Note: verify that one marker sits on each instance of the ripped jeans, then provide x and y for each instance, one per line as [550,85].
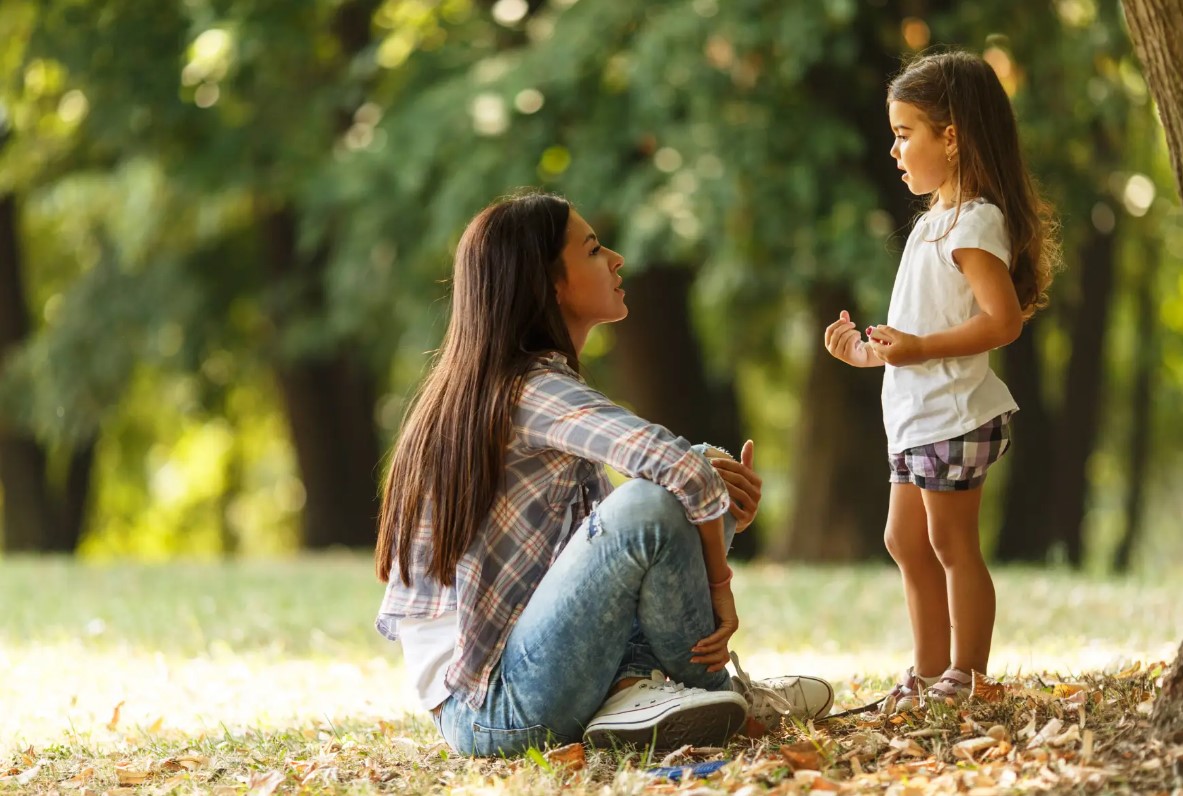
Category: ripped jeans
[628,594]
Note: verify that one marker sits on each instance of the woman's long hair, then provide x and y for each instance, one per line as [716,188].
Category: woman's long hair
[449,458]
[961,89]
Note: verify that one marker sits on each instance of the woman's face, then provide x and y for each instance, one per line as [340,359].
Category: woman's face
[589,291]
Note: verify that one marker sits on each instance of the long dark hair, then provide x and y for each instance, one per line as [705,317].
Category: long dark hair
[450,452]
[960,89]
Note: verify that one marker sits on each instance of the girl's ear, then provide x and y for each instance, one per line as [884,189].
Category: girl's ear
[950,137]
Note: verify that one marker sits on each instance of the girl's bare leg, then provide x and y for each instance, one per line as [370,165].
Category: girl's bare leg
[953,531]
[907,539]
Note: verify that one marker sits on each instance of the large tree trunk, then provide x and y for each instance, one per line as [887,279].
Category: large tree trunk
[28,510]
[840,486]
[659,370]
[1025,534]
[1156,27]
[1079,417]
[329,401]
[1145,357]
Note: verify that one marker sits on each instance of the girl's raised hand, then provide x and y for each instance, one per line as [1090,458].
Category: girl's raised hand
[895,347]
[844,342]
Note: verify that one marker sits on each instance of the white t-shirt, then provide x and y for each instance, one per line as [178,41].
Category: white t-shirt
[942,398]
[428,645]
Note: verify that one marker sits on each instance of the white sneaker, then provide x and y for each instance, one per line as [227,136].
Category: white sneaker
[666,715]
[769,701]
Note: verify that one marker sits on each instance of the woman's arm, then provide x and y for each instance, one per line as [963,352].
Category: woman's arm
[559,412]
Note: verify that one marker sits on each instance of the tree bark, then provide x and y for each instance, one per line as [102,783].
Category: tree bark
[329,401]
[28,511]
[1156,28]
[1079,417]
[659,370]
[1024,535]
[1145,357]
[840,487]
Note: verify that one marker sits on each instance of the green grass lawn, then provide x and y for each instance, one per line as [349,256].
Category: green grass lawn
[269,666]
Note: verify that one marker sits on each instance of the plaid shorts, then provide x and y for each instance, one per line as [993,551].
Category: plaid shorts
[953,465]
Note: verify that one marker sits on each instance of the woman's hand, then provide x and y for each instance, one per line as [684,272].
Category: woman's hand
[743,485]
[712,650]
[895,347]
[844,342]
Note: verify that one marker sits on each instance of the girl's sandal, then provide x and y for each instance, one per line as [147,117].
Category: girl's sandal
[908,693]
[954,686]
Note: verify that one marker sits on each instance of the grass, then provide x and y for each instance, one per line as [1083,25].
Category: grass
[261,675]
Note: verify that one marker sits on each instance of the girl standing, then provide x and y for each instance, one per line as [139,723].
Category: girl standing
[976,265]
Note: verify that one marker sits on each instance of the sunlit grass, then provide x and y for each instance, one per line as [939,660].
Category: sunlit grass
[255,663]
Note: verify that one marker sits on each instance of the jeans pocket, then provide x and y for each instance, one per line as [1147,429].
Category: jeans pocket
[492,742]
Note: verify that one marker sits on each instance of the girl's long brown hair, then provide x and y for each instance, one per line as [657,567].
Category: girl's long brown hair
[961,89]
[449,458]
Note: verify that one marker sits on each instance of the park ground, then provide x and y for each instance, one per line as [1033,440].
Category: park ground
[267,677]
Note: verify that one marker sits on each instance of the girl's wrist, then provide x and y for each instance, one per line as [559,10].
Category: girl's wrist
[725,581]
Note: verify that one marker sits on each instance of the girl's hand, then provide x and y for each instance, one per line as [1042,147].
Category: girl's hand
[743,485]
[844,342]
[712,650]
[895,347]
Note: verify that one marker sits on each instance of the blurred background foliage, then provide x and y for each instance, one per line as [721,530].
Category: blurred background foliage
[225,229]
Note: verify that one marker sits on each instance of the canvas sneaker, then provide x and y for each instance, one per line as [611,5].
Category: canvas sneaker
[666,715]
[770,701]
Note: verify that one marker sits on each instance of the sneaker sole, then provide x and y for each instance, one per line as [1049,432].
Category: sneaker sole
[706,725]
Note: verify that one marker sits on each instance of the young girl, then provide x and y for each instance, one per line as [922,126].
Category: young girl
[534,603]
[976,265]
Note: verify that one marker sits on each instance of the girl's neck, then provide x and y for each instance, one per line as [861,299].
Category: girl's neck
[949,196]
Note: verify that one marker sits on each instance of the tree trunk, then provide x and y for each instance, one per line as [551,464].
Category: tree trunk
[840,486]
[1146,357]
[329,401]
[75,501]
[1024,535]
[660,372]
[1156,27]
[1079,417]
[28,510]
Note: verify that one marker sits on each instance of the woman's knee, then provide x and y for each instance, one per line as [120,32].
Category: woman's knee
[643,508]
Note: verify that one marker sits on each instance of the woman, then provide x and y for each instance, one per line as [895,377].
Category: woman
[536,604]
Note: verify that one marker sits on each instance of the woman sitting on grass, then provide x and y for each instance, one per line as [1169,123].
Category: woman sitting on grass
[534,603]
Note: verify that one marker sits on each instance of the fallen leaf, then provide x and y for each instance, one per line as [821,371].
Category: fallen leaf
[1132,671]
[156,726]
[802,756]
[29,774]
[1029,729]
[998,733]
[1064,690]
[115,716]
[264,783]
[1049,731]
[1069,736]
[81,778]
[908,747]
[130,776]
[1086,746]
[571,756]
[987,689]
[968,748]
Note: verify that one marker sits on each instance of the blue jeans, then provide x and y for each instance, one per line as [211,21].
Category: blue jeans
[628,594]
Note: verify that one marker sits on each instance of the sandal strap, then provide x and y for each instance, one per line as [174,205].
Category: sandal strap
[952,682]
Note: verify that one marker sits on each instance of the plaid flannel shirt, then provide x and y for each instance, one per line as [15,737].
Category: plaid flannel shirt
[563,434]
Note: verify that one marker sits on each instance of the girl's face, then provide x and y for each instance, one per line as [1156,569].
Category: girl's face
[589,291]
[927,158]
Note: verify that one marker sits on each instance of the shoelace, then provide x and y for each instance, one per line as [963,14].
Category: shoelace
[757,690]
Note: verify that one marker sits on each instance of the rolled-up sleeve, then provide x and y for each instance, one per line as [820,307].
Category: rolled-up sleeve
[560,412]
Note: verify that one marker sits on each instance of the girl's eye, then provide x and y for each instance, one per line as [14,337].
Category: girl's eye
[596,250]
